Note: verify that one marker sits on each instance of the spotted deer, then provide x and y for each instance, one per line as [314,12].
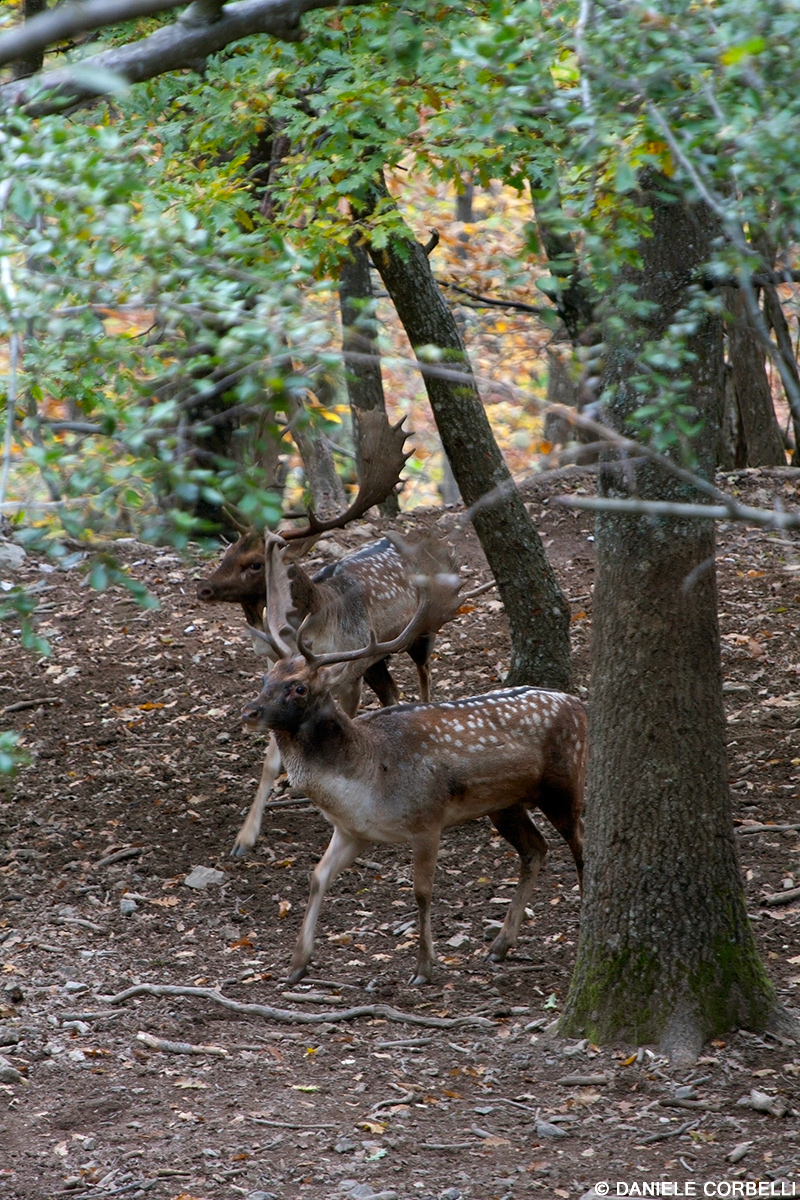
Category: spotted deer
[402,775]
[371,589]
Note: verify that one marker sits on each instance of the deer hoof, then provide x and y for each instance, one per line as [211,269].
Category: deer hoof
[239,851]
[419,979]
[497,954]
[296,975]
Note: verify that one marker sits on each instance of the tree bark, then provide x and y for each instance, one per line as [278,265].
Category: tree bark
[31,62]
[773,311]
[360,351]
[537,612]
[666,952]
[760,429]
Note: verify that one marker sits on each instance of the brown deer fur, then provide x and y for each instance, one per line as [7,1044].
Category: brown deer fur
[402,775]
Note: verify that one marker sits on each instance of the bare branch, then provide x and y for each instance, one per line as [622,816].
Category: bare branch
[731,511]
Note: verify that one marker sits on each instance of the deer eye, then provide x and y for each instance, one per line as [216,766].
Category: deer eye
[257,565]
[300,689]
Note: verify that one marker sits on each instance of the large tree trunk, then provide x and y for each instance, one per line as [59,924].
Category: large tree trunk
[360,350]
[537,612]
[666,953]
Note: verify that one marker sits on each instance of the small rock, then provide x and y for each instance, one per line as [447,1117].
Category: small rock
[12,556]
[202,877]
[545,1129]
[687,1092]
[738,1152]
[127,907]
[345,1146]
[9,1074]
[261,1196]
[8,1037]
[74,988]
[774,1106]
[459,939]
[450,1194]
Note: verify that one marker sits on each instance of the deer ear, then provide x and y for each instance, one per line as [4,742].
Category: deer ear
[304,593]
[333,675]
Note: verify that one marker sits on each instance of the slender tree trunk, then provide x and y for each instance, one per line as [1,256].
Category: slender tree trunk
[666,952]
[773,311]
[360,351]
[33,62]
[762,435]
[537,612]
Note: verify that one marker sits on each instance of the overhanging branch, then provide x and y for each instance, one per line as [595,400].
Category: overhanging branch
[183,44]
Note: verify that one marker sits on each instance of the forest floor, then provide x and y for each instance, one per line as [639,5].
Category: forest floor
[140,772]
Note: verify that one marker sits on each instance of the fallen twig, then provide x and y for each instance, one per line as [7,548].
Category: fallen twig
[447,1145]
[584,1080]
[667,1133]
[766,828]
[119,856]
[405,1043]
[21,705]
[103,1015]
[166,1047]
[391,1101]
[704,1105]
[82,923]
[787,897]
[312,998]
[289,1017]
[289,1124]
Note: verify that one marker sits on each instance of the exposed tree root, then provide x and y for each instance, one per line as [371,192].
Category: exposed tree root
[288,1016]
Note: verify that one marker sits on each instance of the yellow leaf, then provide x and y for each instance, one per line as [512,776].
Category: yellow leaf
[371,1126]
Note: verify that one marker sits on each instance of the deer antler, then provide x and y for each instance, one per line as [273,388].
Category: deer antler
[279,596]
[382,460]
[444,585]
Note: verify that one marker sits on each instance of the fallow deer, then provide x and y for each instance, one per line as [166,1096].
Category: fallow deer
[402,775]
[371,589]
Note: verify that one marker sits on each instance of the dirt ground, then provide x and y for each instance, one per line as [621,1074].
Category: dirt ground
[351,1085]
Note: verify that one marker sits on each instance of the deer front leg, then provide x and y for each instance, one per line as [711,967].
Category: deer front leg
[516,827]
[425,851]
[420,652]
[343,849]
[247,836]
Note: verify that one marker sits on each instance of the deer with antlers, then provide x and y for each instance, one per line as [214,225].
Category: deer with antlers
[402,775]
[371,589]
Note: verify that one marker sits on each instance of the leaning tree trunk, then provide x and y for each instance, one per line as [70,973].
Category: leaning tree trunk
[666,953]
[537,612]
[761,433]
[360,350]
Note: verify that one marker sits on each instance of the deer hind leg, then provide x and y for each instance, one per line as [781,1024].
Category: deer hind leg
[425,850]
[378,678]
[563,807]
[247,836]
[516,827]
[348,696]
[343,849]
[420,652]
